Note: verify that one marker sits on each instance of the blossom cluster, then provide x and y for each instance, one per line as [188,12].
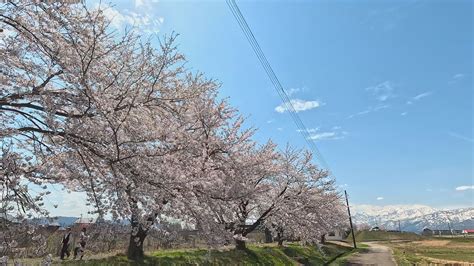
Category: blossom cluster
[145,138]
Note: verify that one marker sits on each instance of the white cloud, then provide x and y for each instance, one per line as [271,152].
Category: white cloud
[309,130]
[139,3]
[292,91]
[323,135]
[140,19]
[69,203]
[330,135]
[404,113]
[270,121]
[457,78]
[422,95]
[280,129]
[462,188]
[317,134]
[419,97]
[299,105]
[382,91]
[379,198]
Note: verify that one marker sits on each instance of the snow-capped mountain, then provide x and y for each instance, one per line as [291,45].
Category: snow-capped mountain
[413,217]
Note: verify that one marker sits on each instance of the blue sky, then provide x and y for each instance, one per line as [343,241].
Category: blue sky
[385,87]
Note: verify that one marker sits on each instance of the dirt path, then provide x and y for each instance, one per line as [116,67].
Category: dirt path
[375,255]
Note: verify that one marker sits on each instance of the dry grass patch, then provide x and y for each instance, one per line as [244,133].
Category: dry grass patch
[460,250]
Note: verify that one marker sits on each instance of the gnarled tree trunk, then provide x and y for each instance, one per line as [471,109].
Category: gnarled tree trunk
[135,246]
[240,244]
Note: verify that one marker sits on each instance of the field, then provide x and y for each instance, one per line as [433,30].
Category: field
[411,249]
[384,236]
[437,250]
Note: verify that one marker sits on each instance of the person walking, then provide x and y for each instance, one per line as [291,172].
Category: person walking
[65,243]
[79,251]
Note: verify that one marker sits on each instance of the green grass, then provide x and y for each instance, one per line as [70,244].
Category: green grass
[407,258]
[292,254]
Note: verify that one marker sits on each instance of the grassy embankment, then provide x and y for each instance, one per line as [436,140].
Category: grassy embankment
[292,254]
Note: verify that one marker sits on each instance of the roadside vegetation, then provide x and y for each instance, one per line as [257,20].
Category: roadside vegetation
[291,254]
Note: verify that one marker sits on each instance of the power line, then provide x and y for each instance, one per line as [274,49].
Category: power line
[276,83]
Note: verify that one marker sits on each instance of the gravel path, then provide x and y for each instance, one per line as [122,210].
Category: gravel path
[375,255]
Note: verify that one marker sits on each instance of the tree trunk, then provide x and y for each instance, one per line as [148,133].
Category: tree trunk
[323,239]
[240,244]
[135,246]
[280,242]
[280,236]
[268,236]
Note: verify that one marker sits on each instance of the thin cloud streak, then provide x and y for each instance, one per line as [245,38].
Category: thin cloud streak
[369,110]
[458,136]
[330,135]
[309,130]
[299,105]
[419,97]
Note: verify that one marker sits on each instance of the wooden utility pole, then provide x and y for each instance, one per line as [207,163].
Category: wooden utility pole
[350,220]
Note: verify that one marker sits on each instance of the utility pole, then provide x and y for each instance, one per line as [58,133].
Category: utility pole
[399,227]
[350,220]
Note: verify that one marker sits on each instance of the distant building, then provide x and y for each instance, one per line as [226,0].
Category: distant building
[336,235]
[440,232]
[427,232]
[84,222]
[52,227]
[468,232]
[375,228]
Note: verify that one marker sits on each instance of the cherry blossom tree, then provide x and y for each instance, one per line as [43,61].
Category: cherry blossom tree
[110,115]
[312,205]
[103,113]
[17,204]
[282,191]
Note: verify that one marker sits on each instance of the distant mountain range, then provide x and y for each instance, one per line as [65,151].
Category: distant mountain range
[61,220]
[413,218]
[65,221]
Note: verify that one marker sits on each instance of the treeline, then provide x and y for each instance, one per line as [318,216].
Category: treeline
[111,115]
